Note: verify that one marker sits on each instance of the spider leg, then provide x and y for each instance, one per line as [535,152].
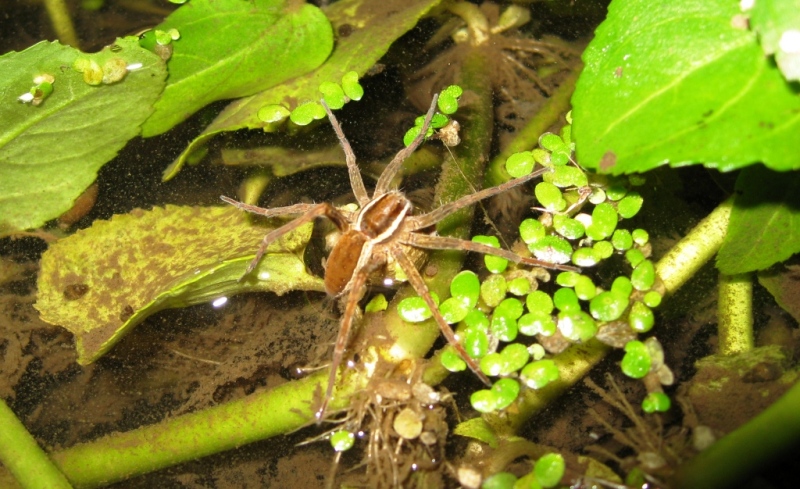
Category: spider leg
[447,243]
[416,281]
[314,211]
[275,211]
[436,215]
[391,169]
[352,169]
[357,288]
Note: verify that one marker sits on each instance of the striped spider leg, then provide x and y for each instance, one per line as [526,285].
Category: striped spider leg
[378,233]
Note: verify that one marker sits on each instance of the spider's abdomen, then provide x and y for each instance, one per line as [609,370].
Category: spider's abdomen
[343,260]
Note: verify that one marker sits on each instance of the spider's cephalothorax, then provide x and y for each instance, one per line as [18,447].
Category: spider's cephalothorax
[381,231]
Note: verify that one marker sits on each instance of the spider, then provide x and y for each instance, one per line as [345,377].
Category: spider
[378,233]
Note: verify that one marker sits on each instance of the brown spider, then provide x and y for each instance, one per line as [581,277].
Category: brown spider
[377,233]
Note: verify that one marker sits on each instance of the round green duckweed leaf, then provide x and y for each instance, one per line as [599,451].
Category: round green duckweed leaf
[476,319]
[536,323]
[454,91]
[656,402]
[630,204]
[351,87]
[531,230]
[641,318]
[333,95]
[447,103]
[519,286]
[622,239]
[585,257]
[537,351]
[539,373]
[504,319]
[273,113]
[643,276]
[576,325]
[636,362]
[566,176]
[500,480]
[514,357]
[493,290]
[466,285]
[549,469]
[452,361]
[550,141]
[539,302]
[585,288]
[455,309]
[604,249]
[568,227]
[492,364]
[550,197]
[566,300]
[652,299]
[520,164]
[634,256]
[413,310]
[411,134]
[304,114]
[494,264]
[484,400]
[640,237]
[597,196]
[342,440]
[507,391]
[622,286]
[604,221]
[608,306]
[567,279]
[438,121]
[476,342]
[552,249]
[616,191]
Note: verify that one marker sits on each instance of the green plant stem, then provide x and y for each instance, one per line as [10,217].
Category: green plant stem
[23,457]
[735,314]
[739,454]
[695,249]
[257,417]
[62,22]
[528,137]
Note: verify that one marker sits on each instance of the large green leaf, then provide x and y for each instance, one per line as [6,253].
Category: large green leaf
[765,221]
[677,83]
[367,28]
[234,48]
[102,281]
[50,153]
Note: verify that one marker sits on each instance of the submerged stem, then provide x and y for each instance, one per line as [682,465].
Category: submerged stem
[735,314]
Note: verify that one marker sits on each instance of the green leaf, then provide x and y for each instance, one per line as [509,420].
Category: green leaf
[679,84]
[159,259]
[777,23]
[232,48]
[478,429]
[372,27]
[765,221]
[50,153]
